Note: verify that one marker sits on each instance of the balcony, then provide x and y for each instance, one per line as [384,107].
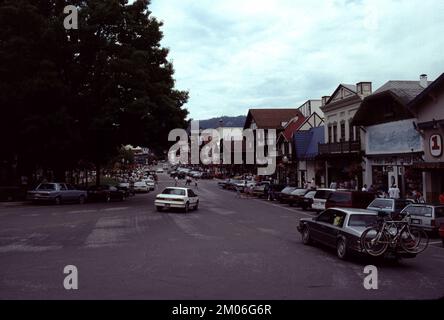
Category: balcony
[340,147]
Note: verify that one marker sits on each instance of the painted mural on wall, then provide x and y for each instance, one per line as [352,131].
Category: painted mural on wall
[393,137]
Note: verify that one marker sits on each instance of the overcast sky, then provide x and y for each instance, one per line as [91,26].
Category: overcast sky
[233,55]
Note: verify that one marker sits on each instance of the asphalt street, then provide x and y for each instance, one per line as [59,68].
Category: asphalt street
[231,248]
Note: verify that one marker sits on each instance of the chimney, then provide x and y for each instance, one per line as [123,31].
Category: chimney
[423,80]
[364,89]
[324,100]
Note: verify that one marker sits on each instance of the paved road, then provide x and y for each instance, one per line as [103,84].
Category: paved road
[230,248]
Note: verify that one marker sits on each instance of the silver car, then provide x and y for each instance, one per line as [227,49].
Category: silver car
[57,193]
[426,216]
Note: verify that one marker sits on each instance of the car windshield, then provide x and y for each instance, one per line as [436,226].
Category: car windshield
[362,220]
[299,192]
[177,192]
[47,186]
[381,204]
[288,190]
[310,194]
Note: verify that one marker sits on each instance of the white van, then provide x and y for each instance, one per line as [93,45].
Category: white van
[320,198]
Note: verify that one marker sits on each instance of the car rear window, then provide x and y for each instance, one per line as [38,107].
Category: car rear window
[381,204]
[177,192]
[362,220]
[439,212]
[47,186]
[401,204]
[310,194]
[340,197]
[322,194]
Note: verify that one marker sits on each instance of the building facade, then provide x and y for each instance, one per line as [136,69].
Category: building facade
[392,143]
[428,107]
[342,150]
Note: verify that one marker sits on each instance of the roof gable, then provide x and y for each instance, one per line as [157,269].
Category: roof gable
[342,91]
[271,118]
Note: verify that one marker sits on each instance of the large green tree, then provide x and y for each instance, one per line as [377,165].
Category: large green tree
[79,94]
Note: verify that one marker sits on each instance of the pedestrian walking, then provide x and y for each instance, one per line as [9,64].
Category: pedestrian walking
[195,183]
[364,188]
[394,192]
[176,181]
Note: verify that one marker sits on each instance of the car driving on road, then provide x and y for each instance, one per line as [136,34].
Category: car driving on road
[57,193]
[183,198]
[105,193]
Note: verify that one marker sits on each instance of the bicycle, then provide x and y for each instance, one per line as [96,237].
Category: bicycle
[375,240]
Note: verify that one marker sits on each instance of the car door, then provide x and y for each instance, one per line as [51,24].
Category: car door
[333,229]
[319,228]
[72,192]
[192,197]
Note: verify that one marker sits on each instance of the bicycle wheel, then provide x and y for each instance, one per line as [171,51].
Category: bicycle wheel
[374,241]
[414,240]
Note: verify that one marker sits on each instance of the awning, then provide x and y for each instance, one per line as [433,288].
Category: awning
[428,165]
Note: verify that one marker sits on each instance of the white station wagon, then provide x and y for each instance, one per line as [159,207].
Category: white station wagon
[183,198]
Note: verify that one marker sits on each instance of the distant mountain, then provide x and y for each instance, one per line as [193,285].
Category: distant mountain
[214,123]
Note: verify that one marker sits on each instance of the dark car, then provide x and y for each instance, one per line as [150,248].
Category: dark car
[285,194]
[295,198]
[274,191]
[105,193]
[349,199]
[57,193]
[341,228]
[261,189]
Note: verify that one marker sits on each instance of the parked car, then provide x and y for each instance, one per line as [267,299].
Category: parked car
[285,194]
[261,189]
[141,186]
[307,200]
[341,228]
[127,187]
[207,175]
[349,199]
[223,183]
[426,216]
[150,183]
[296,196]
[160,170]
[105,193]
[392,207]
[57,193]
[320,198]
[183,198]
[275,191]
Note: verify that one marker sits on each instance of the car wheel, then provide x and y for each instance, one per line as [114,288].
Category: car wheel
[108,198]
[57,200]
[197,206]
[341,249]
[290,204]
[82,199]
[306,238]
[122,198]
[187,207]
[304,207]
[159,208]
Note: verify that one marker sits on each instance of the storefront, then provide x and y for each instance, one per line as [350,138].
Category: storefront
[395,169]
[429,110]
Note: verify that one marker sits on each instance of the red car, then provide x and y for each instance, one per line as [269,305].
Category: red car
[441,233]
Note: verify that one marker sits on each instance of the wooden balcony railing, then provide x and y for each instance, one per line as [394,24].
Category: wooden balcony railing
[340,147]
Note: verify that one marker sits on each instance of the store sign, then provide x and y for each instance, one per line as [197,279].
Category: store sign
[435,144]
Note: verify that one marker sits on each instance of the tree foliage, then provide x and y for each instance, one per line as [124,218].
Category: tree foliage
[78,95]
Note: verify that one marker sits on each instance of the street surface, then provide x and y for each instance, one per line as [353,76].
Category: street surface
[230,248]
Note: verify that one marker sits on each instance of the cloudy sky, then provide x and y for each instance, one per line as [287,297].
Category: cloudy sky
[233,55]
